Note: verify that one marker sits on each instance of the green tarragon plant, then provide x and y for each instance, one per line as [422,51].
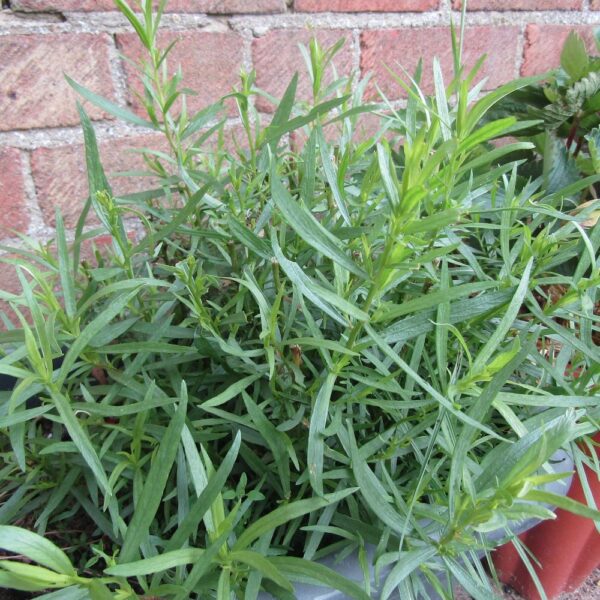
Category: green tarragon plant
[339,345]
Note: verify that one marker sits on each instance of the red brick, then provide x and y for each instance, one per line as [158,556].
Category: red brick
[33,90]
[211,64]
[60,176]
[277,57]
[8,277]
[8,283]
[543,45]
[365,5]
[189,6]
[405,47]
[521,4]
[12,193]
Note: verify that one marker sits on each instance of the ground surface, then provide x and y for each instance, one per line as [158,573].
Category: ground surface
[590,590]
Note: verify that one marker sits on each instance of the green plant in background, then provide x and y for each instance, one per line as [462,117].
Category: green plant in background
[345,344]
[566,106]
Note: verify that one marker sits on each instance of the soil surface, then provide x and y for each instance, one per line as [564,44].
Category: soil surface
[590,590]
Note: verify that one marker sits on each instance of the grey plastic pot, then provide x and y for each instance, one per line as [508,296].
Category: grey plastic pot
[561,462]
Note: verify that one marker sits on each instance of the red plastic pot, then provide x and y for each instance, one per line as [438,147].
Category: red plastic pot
[567,549]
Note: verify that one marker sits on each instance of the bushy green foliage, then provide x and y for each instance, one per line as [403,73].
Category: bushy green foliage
[343,343]
[563,109]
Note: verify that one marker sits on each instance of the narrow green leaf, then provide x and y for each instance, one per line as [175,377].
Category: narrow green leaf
[141,346]
[563,333]
[80,438]
[35,574]
[441,330]
[97,181]
[154,486]
[274,131]
[506,323]
[309,165]
[66,278]
[308,228]
[373,491]
[316,440]
[330,175]
[35,547]
[478,411]
[487,132]
[99,591]
[425,385]
[321,343]
[407,562]
[482,106]
[11,581]
[286,513]
[466,310]
[302,120]
[224,585]
[180,217]
[231,392]
[108,106]
[249,238]
[492,157]
[214,486]
[15,372]
[90,331]
[471,585]
[298,569]
[441,101]
[386,165]
[508,463]
[274,438]
[201,119]
[263,565]
[74,592]
[564,502]
[204,564]
[303,284]
[155,564]
[23,416]
[135,23]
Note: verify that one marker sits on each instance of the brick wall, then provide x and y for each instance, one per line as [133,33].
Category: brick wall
[41,159]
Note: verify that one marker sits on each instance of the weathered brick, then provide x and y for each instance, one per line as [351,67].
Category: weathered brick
[13,207]
[543,45]
[189,6]
[277,57]
[211,63]
[520,4]
[60,176]
[365,5]
[404,47]
[33,90]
